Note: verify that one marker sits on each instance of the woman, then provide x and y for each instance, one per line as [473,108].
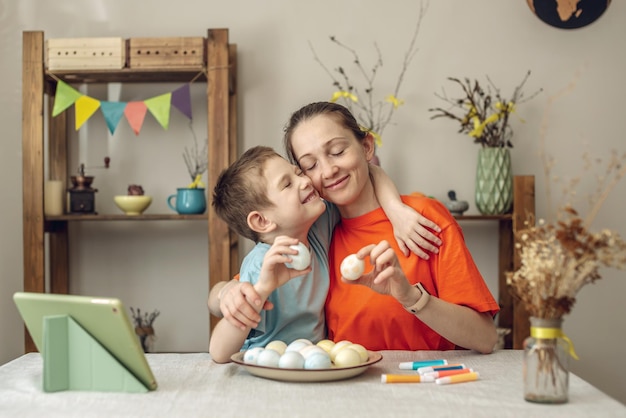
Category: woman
[435,304]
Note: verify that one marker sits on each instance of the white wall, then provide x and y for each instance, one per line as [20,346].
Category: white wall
[163,265]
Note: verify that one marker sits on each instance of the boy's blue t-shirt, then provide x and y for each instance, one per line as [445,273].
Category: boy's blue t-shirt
[298,304]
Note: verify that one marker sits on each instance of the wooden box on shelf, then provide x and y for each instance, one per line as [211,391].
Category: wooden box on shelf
[85,53]
[166,52]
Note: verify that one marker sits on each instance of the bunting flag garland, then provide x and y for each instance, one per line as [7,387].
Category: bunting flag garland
[85,107]
[181,100]
[135,112]
[112,112]
[65,97]
[159,106]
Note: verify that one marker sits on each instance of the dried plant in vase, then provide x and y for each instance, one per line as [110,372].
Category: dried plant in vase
[356,89]
[197,161]
[558,258]
[483,112]
[144,328]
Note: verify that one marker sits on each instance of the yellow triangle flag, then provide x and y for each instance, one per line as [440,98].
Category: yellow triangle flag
[85,106]
[160,106]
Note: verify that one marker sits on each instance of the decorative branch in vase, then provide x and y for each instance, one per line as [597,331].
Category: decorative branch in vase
[356,87]
[197,161]
[484,115]
[559,257]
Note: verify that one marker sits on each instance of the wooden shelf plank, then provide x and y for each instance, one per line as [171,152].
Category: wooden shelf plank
[106,217]
[128,75]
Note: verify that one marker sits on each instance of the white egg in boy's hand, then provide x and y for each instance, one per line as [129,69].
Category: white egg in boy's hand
[301,260]
[352,267]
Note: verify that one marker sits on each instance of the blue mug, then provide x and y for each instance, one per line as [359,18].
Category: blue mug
[188,201]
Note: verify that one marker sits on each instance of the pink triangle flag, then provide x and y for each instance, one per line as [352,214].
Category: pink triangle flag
[181,100]
[135,113]
[160,107]
[64,97]
[85,106]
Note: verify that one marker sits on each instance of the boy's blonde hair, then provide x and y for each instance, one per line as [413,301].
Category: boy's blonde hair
[240,189]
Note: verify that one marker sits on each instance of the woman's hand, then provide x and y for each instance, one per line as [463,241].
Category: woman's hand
[387,277]
[412,233]
[239,303]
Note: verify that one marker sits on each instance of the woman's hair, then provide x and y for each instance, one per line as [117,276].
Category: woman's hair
[341,114]
[240,189]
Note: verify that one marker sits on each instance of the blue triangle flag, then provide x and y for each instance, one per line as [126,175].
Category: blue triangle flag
[112,112]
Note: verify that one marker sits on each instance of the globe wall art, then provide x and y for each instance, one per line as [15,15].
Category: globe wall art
[568,14]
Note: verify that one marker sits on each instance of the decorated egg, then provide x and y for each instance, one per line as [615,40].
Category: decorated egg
[347,357]
[310,350]
[291,360]
[268,358]
[318,361]
[338,347]
[278,346]
[327,345]
[298,345]
[361,350]
[251,355]
[301,260]
[352,267]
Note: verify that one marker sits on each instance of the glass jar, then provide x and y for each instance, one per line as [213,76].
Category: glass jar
[546,362]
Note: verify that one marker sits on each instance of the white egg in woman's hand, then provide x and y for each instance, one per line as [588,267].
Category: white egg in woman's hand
[352,267]
[301,260]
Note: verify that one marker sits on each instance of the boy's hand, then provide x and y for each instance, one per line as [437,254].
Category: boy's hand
[274,273]
[387,277]
[412,233]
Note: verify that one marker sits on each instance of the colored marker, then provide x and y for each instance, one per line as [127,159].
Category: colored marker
[414,365]
[422,370]
[405,378]
[445,373]
[465,377]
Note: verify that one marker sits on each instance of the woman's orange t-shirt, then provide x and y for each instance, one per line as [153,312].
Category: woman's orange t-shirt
[378,322]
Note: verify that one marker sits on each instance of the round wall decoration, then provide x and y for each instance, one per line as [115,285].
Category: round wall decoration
[568,14]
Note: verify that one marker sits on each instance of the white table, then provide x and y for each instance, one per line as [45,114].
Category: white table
[193,385]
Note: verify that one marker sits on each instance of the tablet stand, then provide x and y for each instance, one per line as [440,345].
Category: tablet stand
[74,360]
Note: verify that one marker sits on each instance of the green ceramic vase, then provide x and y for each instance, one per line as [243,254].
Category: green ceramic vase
[494,181]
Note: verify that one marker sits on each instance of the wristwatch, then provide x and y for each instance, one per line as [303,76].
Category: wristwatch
[421,302]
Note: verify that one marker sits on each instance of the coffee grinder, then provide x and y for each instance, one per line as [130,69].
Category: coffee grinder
[82,195]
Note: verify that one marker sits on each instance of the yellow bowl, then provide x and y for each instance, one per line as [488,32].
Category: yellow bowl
[132,205]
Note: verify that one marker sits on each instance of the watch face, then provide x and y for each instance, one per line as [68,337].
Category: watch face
[568,14]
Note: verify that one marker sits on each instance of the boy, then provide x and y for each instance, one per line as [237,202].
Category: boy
[268,200]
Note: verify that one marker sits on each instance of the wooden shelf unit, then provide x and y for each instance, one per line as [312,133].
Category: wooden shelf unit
[38,85]
[512,313]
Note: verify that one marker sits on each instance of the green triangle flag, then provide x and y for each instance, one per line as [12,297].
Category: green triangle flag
[64,97]
[160,106]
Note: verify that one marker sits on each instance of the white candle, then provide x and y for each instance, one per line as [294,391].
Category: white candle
[53,198]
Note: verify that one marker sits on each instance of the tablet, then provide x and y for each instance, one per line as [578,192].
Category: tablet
[104,318]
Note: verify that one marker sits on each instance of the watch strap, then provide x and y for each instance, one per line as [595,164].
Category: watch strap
[421,302]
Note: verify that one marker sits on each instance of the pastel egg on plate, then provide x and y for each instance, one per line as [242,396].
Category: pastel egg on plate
[317,361]
[268,358]
[347,357]
[251,355]
[291,360]
[310,350]
[298,345]
[278,346]
[352,267]
[327,345]
[338,347]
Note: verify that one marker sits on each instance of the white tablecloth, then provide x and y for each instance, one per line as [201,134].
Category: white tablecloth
[192,385]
